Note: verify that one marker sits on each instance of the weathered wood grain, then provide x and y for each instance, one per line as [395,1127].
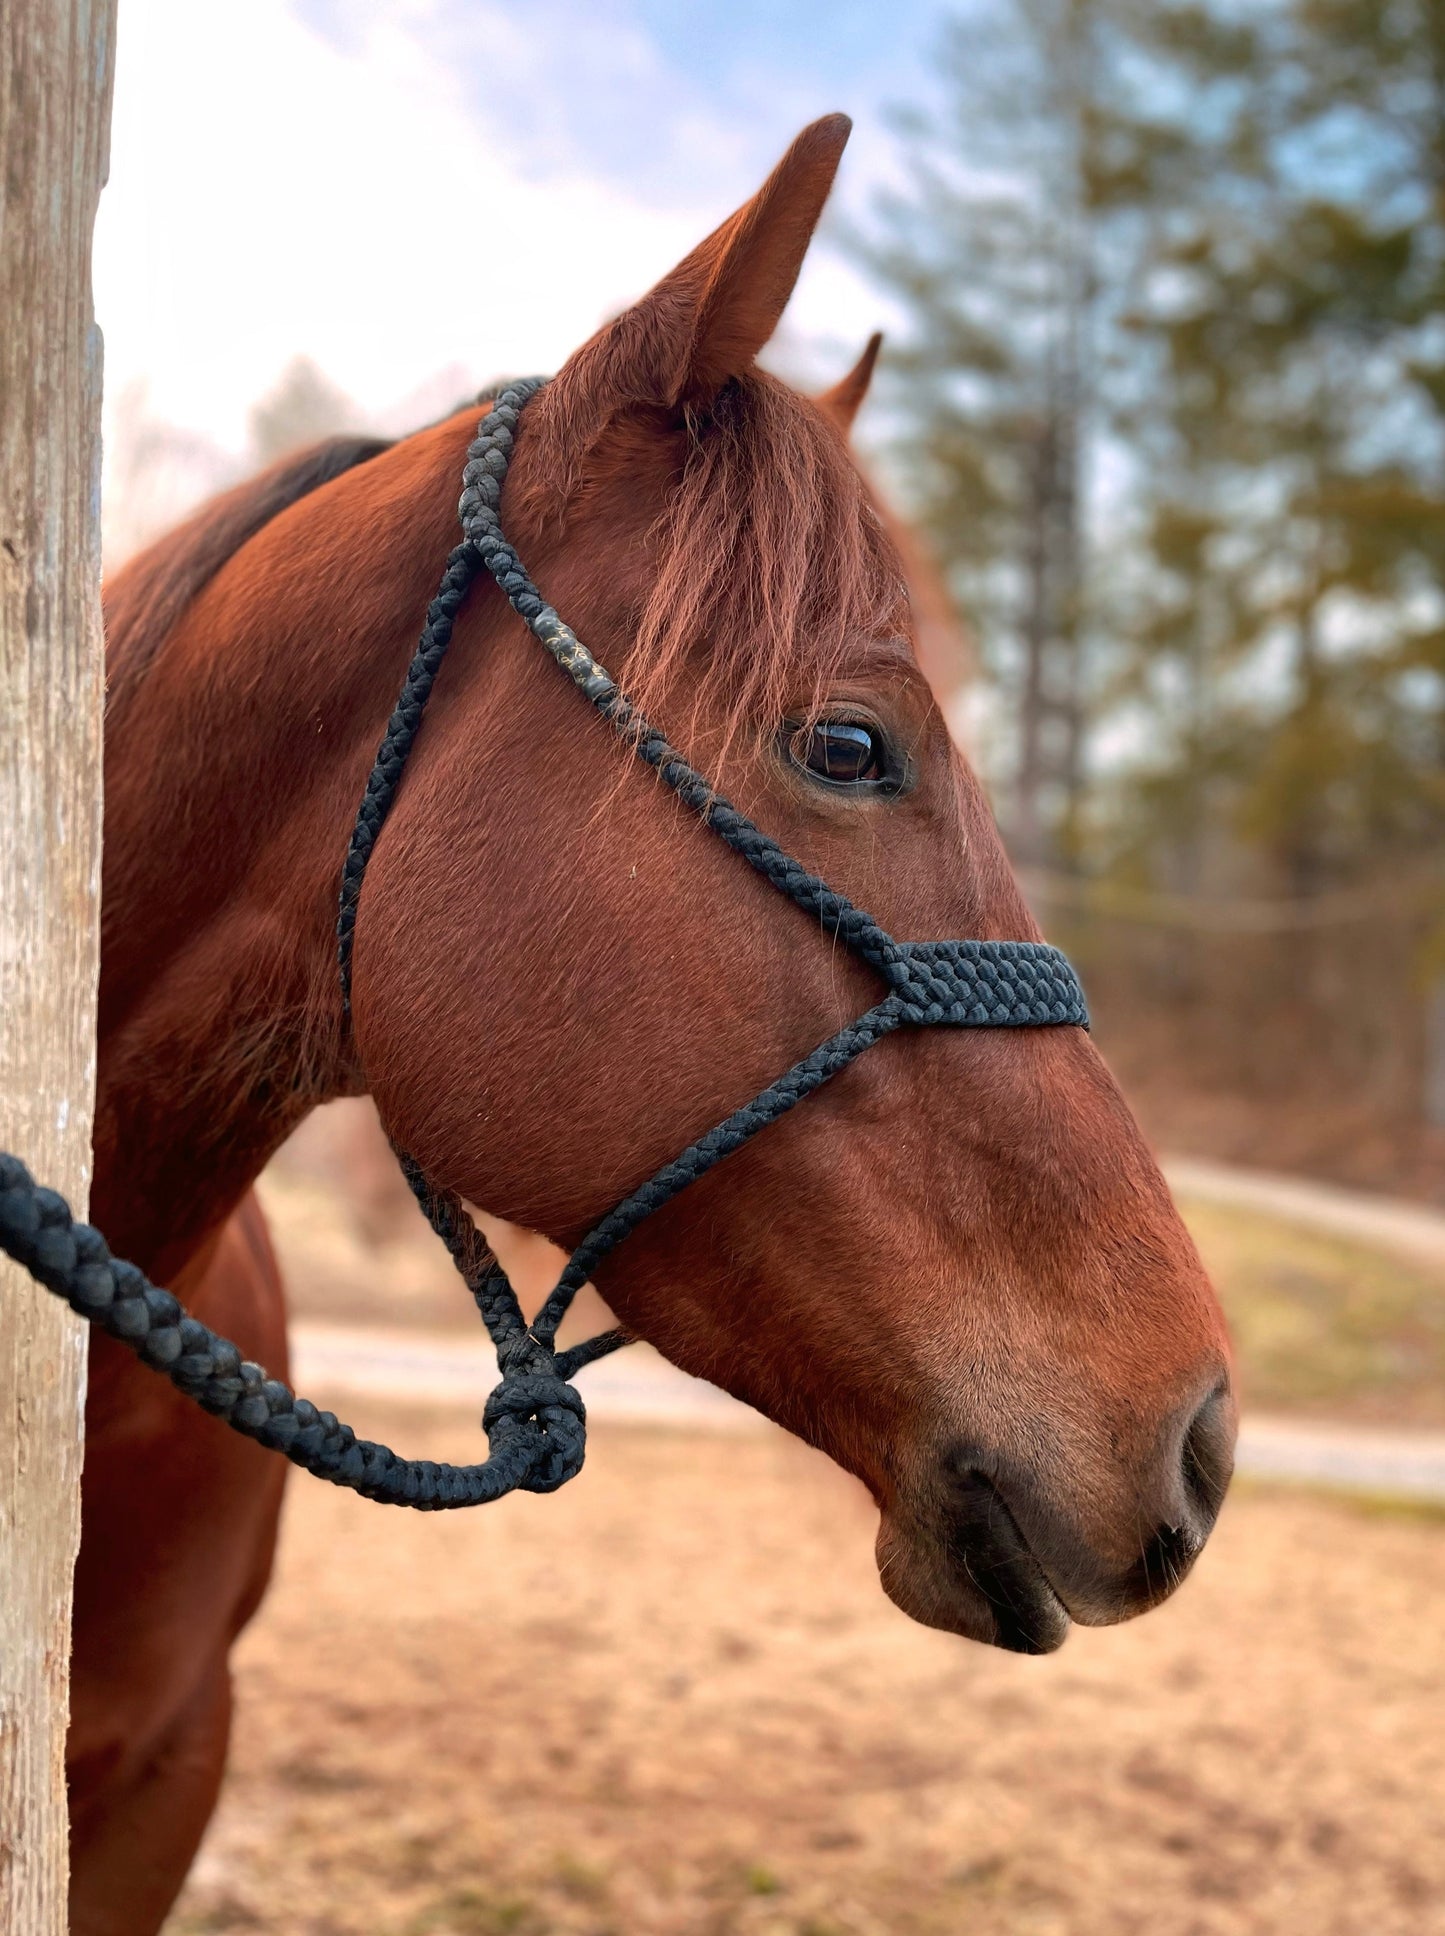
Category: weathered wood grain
[56,60]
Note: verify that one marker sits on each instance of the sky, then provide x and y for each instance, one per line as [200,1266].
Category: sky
[421,195]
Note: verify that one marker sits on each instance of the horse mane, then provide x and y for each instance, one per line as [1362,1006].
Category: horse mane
[771,556]
[147,598]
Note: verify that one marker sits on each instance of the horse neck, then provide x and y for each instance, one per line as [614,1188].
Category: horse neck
[234,763]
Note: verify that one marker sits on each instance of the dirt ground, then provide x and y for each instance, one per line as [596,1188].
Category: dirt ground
[673,1701]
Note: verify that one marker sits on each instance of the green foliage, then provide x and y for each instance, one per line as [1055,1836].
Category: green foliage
[995,249]
[1173,403]
[1296,311]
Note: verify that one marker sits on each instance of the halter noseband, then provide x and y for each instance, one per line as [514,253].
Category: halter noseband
[535,1419]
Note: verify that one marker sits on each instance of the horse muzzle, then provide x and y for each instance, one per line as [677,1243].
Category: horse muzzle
[1006,1552]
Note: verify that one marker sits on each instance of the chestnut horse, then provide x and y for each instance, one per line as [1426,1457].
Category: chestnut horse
[956,1269]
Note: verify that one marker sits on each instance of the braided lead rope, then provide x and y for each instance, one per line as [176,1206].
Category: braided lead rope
[535,1420]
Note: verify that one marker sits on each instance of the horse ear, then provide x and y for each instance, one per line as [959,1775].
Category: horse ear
[843,402]
[707,319]
[737,283]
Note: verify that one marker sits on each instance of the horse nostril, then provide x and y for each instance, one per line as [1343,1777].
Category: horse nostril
[1206,1460]
[1207,1457]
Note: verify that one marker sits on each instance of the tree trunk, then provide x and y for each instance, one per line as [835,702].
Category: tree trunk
[56,60]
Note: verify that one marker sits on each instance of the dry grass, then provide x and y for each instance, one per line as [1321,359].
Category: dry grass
[672,1701]
[1324,1325]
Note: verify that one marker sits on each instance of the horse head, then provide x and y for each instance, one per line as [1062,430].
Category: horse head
[956,1268]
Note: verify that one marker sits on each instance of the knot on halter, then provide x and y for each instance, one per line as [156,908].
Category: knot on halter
[535,1411]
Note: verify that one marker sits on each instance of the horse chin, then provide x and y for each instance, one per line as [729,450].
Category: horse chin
[980,1581]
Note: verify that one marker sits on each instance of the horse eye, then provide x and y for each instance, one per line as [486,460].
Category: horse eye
[846,751]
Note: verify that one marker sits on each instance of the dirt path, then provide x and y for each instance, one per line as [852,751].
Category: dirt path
[672,1700]
[1411,1230]
[638,1386]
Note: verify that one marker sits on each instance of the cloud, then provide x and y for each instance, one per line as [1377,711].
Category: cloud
[394,192]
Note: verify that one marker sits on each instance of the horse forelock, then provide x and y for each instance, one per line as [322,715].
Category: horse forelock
[769,564]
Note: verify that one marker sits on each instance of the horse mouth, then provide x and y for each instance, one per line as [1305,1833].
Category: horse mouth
[972,1572]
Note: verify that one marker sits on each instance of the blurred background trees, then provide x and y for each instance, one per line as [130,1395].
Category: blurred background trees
[304,408]
[157,472]
[1171,403]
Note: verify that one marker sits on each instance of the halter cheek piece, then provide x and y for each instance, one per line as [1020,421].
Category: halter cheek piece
[535,1420]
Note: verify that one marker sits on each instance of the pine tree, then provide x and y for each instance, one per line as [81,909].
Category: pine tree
[1296,435]
[993,248]
[1173,401]
[1174,409]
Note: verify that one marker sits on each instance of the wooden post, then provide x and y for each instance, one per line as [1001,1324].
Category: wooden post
[56,62]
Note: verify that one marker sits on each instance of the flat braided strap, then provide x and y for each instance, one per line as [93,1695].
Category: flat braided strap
[535,1419]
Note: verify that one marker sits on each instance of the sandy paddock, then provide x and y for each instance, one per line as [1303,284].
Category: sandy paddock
[673,1699]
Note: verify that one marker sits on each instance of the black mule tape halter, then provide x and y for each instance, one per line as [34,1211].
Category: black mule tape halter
[535,1419]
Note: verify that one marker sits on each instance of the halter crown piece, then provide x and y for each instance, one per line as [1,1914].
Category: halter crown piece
[535,1420]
